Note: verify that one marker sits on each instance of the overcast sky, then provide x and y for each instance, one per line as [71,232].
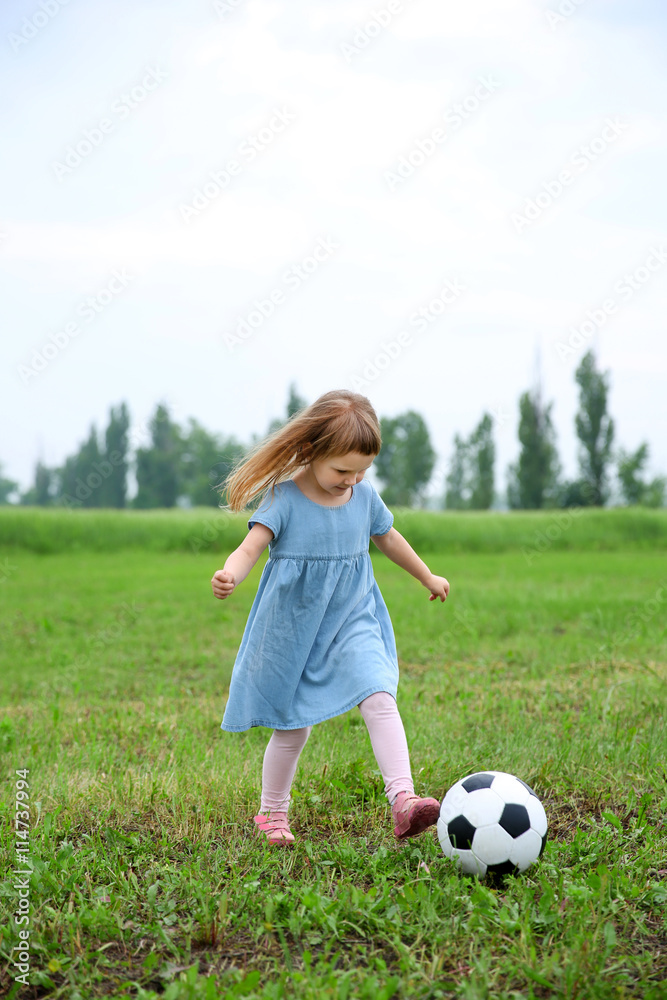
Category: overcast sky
[431,202]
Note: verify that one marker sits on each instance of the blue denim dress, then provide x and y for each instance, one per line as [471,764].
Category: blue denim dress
[318,638]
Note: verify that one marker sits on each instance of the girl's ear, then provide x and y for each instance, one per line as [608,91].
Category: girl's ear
[306,451]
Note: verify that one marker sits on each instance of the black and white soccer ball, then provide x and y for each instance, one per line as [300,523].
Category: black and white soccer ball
[492,823]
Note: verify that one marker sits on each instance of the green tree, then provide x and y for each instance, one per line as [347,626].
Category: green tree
[7,489]
[70,492]
[115,464]
[595,429]
[42,492]
[295,402]
[656,492]
[96,476]
[159,466]
[533,480]
[456,482]
[81,476]
[206,461]
[634,489]
[482,459]
[577,493]
[406,460]
[470,479]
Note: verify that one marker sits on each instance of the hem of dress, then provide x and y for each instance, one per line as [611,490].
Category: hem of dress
[315,722]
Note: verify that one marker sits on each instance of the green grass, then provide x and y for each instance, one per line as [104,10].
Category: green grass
[147,880]
[209,529]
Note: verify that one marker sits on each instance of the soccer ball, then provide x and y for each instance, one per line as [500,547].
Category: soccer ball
[492,822]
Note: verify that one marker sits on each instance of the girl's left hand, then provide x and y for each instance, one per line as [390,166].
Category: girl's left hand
[438,586]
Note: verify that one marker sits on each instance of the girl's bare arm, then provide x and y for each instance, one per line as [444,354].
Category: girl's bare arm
[396,548]
[241,561]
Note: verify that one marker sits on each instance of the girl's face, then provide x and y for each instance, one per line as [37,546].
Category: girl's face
[336,474]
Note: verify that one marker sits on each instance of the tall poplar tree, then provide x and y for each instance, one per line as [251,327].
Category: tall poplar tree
[295,402]
[42,492]
[456,482]
[533,481]
[470,479]
[595,429]
[80,479]
[158,466]
[113,492]
[406,459]
[482,458]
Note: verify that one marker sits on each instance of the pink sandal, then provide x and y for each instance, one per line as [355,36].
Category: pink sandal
[413,815]
[275,827]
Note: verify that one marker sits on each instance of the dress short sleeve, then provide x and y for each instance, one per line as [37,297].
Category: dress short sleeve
[382,518]
[272,512]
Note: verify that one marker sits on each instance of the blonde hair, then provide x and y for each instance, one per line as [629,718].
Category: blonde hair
[335,424]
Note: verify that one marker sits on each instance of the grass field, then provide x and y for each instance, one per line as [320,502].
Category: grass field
[549,660]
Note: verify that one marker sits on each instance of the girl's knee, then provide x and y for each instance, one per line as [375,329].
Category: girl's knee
[292,739]
[377,703]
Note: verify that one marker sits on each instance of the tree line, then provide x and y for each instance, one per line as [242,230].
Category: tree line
[535,480]
[186,465]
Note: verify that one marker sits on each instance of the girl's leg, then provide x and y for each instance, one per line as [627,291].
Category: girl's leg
[385,727]
[280,760]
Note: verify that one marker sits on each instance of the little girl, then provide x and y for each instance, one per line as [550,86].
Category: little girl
[319,640]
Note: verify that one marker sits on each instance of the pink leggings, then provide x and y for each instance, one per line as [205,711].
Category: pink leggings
[380,713]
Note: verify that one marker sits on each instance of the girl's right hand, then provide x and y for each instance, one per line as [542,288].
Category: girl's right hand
[223,584]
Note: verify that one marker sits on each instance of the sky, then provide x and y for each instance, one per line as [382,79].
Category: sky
[439,205]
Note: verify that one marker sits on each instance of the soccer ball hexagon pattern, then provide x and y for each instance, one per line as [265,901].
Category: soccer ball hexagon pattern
[492,822]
